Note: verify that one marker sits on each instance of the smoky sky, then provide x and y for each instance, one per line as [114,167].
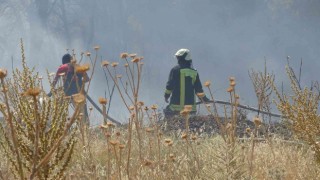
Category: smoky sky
[226,38]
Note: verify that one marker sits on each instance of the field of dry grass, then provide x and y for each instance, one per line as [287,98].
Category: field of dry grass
[49,140]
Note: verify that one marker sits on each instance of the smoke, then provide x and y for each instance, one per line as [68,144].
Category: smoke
[226,38]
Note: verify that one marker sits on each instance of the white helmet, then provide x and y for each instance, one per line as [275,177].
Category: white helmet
[184,52]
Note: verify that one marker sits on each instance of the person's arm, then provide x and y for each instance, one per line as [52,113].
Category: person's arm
[198,85]
[170,85]
[56,79]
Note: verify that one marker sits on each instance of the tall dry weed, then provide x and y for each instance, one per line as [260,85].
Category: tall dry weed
[301,112]
[36,134]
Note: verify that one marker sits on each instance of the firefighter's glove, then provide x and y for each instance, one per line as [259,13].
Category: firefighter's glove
[205,99]
[166,97]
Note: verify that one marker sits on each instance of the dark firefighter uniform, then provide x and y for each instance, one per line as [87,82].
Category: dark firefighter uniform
[183,83]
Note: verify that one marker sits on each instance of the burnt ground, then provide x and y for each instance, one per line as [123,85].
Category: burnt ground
[207,124]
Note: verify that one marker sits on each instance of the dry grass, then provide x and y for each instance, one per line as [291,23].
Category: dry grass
[140,149]
[289,162]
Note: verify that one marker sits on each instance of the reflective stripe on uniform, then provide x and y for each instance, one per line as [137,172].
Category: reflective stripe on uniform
[168,91]
[183,74]
[176,107]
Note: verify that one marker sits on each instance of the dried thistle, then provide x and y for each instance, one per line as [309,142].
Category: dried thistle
[207,83]
[132,55]
[135,60]
[96,48]
[103,101]
[32,92]
[201,95]
[231,79]
[114,64]
[248,130]
[105,63]
[257,121]
[82,68]
[184,136]
[184,113]
[3,73]
[188,108]
[103,126]
[110,124]
[131,108]
[233,83]
[114,142]
[124,55]
[167,140]
[121,146]
[230,89]
[154,107]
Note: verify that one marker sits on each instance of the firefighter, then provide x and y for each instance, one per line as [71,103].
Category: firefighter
[72,81]
[183,85]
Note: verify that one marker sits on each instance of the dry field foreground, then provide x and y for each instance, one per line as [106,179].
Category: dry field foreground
[202,158]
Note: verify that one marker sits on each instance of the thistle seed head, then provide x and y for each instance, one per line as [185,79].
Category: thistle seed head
[154,107]
[121,146]
[33,92]
[113,142]
[257,121]
[132,55]
[188,108]
[131,108]
[232,79]
[184,113]
[124,55]
[230,89]
[200,95]
[110,124]
[102,126]
[140,103]
[96,48]
[105,63]
[184,136]
[103,101]
[135,60]
[3,73]
[207,83]
[248,130]
[194,137]
[114,64]
[232,83]
[82,68]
